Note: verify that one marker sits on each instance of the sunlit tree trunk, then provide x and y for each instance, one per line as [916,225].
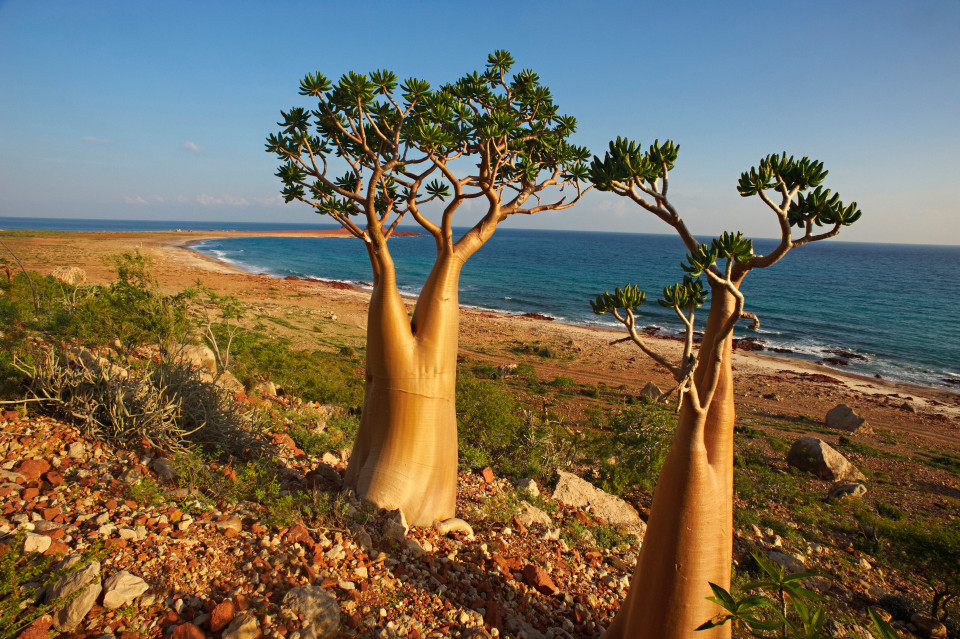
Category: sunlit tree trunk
[689,537]
[405,453]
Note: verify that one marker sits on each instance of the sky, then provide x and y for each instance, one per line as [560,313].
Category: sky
[159,110]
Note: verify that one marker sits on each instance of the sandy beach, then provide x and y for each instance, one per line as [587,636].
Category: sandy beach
[766,384]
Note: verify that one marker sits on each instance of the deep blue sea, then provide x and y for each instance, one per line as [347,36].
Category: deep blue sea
[896,305]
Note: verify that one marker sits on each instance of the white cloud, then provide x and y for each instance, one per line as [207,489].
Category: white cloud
[90,138]
[133,200]
[193,147]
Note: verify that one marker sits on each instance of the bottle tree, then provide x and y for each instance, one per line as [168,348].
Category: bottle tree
[491,141]
[688,543]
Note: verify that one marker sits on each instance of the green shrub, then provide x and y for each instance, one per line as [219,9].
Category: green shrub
[633,452]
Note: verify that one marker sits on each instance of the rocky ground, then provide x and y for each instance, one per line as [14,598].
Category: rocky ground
[181,563]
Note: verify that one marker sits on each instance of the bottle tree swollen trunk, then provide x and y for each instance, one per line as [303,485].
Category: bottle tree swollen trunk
[405,452]
[689,538]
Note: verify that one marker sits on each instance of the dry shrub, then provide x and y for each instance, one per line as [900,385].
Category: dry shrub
[72,275]
[167,406]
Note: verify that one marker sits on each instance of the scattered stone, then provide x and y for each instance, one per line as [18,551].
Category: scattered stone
[121,588]
[164,469]
[77,450]
[233,522]
[928,627]
[454,524]
[573,491]
[221,615]
[395,525]
[243,626]
[86,581]
[539,578]
[790,563]
[265,389]
[487,474]
[226,380]
[530,514]
[528,486]
[847,490]
[318,608]
[651,392]
[199,356]
[36,543]
[842,417]
[187,631]
[816,456]
[31,469]
[38,629]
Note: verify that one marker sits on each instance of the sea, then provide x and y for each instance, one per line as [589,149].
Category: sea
[885,309]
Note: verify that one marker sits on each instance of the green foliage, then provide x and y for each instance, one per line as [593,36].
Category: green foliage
[629,297]
[25,578]
[492,432]
[626,161]
[146,492]
[629,454]
[405,129]
[328,378]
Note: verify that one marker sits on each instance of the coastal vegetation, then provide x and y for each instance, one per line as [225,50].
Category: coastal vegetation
[517,419]
[488,139]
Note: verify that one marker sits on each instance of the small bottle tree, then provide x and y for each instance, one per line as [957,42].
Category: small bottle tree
[490,139]
[688,543]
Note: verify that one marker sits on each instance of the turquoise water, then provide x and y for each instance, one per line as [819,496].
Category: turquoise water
[894,305]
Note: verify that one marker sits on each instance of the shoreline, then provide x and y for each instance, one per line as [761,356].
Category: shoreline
[783,360]
[176,266]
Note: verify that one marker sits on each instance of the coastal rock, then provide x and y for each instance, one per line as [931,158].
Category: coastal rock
[318,608]
[842,417]
[573,491]
[818,457]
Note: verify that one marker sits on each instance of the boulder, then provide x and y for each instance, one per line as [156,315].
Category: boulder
[528,486]
[199,356]
[842,417]
[573,491]
[121,588]
[228,381]
[265,389]
[820,458]
[847,490]
[318,607]
[85,581]
[928,627]
[530,514]
[789,563]
[651,392]
[243,626]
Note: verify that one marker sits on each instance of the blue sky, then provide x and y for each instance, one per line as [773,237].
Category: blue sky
[159,110]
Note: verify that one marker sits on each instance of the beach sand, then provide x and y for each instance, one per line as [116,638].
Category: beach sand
[766,386]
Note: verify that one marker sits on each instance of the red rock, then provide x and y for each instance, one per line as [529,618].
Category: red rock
[353,621]
[187,631]
[241,602]
[298,533]
[487,474]
[129,503]
[49,513]
[6,491]
[111,504]
[115,543]
[169,618]
[174,515]
[56,548]
[31,469]
[39,629]
[230,533]
[539,578]
[29,494]
[53,478]
[222,615]
[507,565]
[11,415]
[494,615]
